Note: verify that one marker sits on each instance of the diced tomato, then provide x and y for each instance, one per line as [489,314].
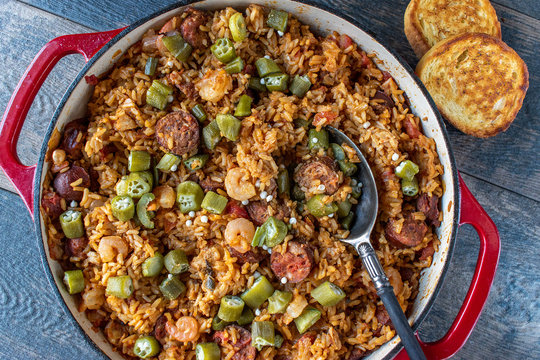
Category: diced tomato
[235,208]
[366,61]
[345,41]
[386,75]
[91,80]
[324,118]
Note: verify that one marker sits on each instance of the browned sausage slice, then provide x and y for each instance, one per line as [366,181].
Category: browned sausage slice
[190,28]
[242,346]
[295,264]
[321,168]
[412,232]
[186,87]
[259,213]
[178,132]
[74,137]
[63,180]
[387,103]
[160,332]
[410,128]
[357,354]
[429,205]
[210,185]
[250,256]
[75,247]
[52,204]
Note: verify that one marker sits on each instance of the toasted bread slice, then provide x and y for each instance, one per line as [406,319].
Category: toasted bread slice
[477,81]
[429,21]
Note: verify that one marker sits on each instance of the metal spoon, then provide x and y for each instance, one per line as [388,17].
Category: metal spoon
[366,214]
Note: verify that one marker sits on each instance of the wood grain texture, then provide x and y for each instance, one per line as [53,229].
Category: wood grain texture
[502,168]
[497,160]
[24,30]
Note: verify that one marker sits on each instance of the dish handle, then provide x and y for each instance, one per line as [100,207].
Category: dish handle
[20,175]
[471,213]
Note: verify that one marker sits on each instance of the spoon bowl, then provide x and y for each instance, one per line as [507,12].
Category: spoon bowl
[366,215]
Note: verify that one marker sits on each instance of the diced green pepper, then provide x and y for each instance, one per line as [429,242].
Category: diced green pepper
[169,162]
[307,319]
[120,286]
[153,265]
[346,222]
[223,50]
[230,308]
[278,19]
[300,85]
[328,294]
[409,187]
[255,84]
[318,206]
[283,182]
[318,139]
[145,216]
[72,224]
[407,169]
[176,261]
[123,207]
[266,66]
[276,82]
[277,303]
[246,317]
[74,281]
[257,294]
[237,25]
[178,47]
[207,351]
[172,287]
[297,193]
[235,66]
[199,113]
[189,196]
[278,341]
[196,162]
[262,334]
[214,203]
[302,123]
[348,168]
[259,237]
[338,152]
[243,108]
[146,347]
[344,208]
[150,67]
[219,324]
[211,135]
[229,126]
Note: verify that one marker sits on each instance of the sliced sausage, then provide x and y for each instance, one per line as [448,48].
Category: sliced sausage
[74,137]
[52,204]
[387,103]
[259,213]
[412,232]
[295,264]
[160,332]
[235,208]
[186,87]
[382,316]
[178,132]
[426,252]
[75,247]
[242,347]
[429,205]
[250,256]
[63,180]
[190,28]
[320,168]
[210,185]
[410,128]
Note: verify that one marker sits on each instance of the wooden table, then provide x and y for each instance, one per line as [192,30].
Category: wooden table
[502,172]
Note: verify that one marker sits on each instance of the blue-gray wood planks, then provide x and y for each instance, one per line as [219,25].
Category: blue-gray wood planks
[503,173]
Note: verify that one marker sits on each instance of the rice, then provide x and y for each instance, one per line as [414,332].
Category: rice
[344,81]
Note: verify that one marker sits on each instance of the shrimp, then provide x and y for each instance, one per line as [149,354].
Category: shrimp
[239,233]
[238,184]
[214,85]
[94,298]
[185,329]
[111,246]
[395,280]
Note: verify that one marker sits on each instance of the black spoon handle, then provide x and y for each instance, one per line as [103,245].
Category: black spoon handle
[386,293]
